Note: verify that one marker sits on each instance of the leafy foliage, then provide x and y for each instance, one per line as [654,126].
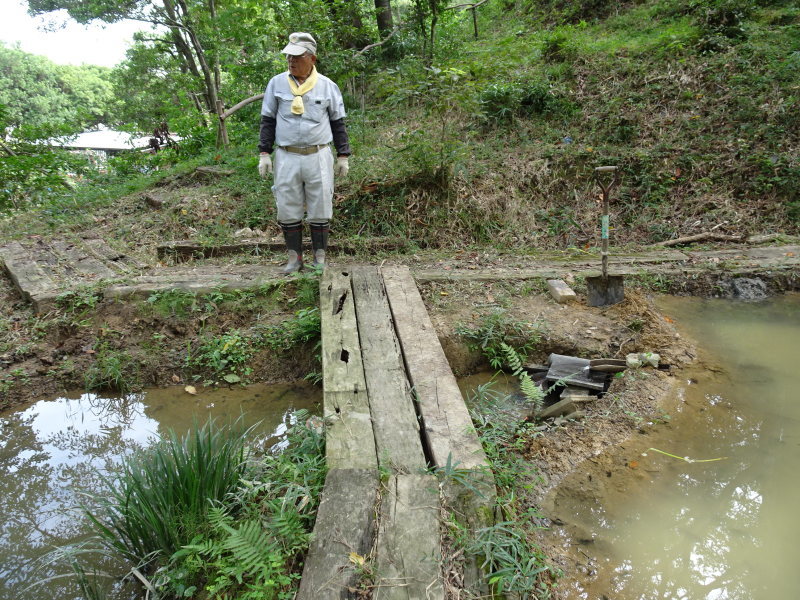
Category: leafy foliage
[252,547]
[304,328]
[113,369]
[225,356]
[496,330]
[162,495]
[37,92]
[201,517]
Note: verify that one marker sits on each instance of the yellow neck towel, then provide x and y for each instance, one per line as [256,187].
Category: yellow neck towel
[299,90]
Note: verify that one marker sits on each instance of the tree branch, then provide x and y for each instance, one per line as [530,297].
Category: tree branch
[466,6]
[239,105]
[708,236]
[381,43]
[6,148]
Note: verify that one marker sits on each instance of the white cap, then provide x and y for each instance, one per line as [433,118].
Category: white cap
[300,43]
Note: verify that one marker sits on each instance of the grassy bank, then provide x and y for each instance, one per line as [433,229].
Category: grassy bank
[495,141]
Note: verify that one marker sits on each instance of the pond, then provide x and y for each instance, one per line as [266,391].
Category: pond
[727,528]
[54,448]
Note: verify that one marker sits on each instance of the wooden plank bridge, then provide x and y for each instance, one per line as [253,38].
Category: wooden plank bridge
[392,408]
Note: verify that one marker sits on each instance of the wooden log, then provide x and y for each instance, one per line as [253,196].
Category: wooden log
[214,171]
[706,236]
[186,249]
[341,350]
[349,438]
[449,436]
[391,404]
[409,543]
[103,251]
[345,524]
[142,287]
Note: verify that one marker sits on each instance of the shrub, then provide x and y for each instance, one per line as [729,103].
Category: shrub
[501,102]
[161,497]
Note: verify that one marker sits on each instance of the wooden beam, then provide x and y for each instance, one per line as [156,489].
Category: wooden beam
[450,438]
[409,543]
[447,426]
[345,523]
[391,404]
[349,438]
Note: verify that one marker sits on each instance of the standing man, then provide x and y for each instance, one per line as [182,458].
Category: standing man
[301,114]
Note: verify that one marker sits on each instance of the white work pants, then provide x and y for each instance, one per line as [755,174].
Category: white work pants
[303,185]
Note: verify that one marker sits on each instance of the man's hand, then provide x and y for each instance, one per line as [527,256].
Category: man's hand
[342,167]
[264,165]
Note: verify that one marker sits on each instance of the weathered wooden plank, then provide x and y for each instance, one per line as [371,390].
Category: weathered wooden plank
[349,437]
[345,524]
[409,543]
[395,424]
[341,353]
[81,262]
[185,249]
[28,277]
[101,250]
[447,426]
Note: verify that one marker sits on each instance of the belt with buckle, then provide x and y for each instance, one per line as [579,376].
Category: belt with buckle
[302,149]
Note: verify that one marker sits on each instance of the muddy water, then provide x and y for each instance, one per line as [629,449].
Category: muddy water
[53,448]
[643,525]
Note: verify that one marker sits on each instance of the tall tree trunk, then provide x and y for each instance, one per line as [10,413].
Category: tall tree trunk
[383,15]
[177,30]
[208,79]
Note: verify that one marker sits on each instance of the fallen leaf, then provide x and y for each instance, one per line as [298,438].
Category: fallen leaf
[357,559]
[444,294]
[790,254]
[633,464]
[190,389]
[668,320]
[176,379]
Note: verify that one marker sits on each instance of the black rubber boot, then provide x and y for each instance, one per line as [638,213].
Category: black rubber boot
[319,243]
[293,235]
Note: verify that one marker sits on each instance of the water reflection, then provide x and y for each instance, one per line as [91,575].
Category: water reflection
[716,530]
[53,448]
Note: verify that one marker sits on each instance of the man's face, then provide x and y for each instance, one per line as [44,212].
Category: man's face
[300,66]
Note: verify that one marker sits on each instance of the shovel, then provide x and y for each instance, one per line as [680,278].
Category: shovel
[606,289]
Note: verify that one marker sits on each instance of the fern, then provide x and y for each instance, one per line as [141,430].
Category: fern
[512,357]
[252,549]
[529,389]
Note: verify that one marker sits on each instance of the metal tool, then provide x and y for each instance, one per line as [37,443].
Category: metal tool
[606,289]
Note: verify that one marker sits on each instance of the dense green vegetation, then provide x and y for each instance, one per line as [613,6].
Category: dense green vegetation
[462,141]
